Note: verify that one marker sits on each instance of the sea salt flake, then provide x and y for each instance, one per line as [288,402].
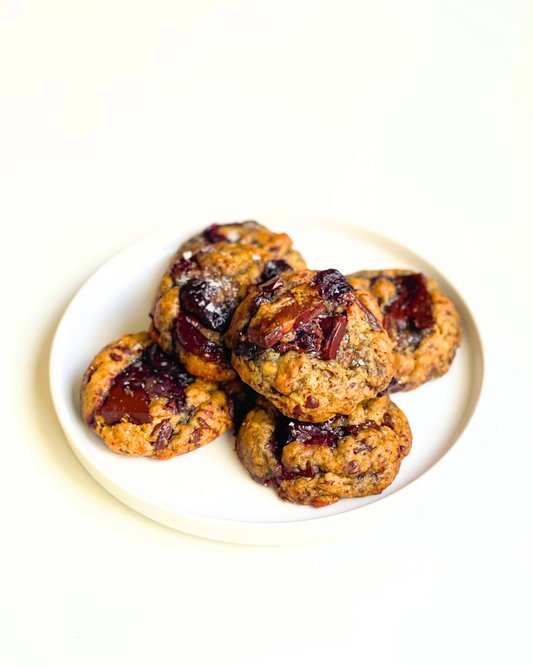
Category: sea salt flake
[187,255]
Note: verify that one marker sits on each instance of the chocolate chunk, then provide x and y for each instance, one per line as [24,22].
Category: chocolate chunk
[308,312]
[374,323]
[363,446]
[133,405]
[163,432]
[332,342]
[365,425]
[270,331]
[266,338]
[196,436]
[311,403]
[387,420]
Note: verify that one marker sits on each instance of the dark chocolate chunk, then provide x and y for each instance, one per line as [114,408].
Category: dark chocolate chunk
[163,432]
[132,404]
[332,342]
[387,420]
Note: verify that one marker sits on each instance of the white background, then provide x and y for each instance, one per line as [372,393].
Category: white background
[411,118]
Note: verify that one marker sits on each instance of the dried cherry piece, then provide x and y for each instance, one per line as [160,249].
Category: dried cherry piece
[199,298]
[308,338]
[412,307]
[195,342]
[212,235]
[162,387]
[275,267]
[169,367]
[134,377]
[332,284]
[311,434]
[181,265]
[133,404]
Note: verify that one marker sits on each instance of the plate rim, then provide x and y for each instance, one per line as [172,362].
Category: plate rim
[248,532]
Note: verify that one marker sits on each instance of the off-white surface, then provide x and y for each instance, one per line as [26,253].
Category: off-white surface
[410,118]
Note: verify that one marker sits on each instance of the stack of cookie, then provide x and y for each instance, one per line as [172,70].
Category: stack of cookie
[302,362]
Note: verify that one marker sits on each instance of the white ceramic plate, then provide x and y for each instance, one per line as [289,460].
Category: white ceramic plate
[207,492]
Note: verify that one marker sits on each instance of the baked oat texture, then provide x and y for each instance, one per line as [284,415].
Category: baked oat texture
[311,344]
[173,414]
[318,464]
[422,352]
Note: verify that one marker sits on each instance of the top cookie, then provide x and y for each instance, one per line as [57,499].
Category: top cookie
[311,344]
[196,301]
[248,233]
[421,321]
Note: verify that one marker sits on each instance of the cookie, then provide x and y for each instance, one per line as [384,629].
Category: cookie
[248,233]
[196,301]
[141,402]
[311,344]
[318,464]
[421,321]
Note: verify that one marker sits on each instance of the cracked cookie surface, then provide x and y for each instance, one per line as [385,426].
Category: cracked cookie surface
[141,402]
[318,464]
[311,344]
[422,322]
